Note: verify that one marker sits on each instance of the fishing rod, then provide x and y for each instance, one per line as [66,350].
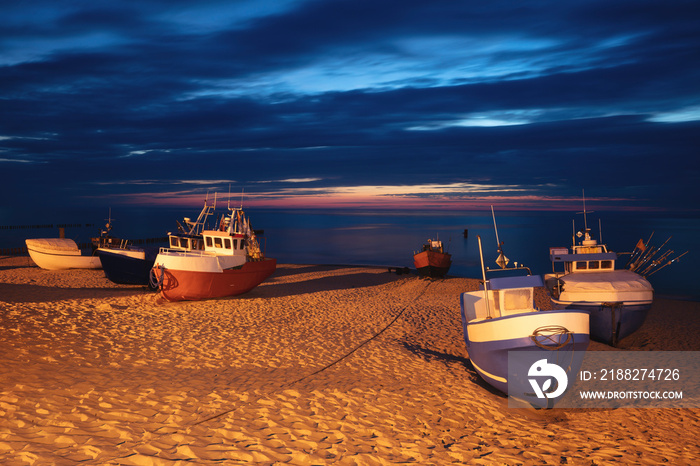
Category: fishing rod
[649,256]
[668,263]
[639,250]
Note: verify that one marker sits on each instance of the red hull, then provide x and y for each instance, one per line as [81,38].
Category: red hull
[432,263]
[180,285]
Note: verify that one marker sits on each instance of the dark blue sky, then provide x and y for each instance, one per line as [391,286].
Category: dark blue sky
[448,104]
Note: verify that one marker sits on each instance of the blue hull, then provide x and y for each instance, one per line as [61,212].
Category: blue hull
[491,358]
[127,270]
[611,322]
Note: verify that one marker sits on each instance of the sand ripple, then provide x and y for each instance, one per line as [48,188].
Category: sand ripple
[94,373]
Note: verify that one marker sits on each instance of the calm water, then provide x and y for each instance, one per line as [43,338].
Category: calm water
[390,238]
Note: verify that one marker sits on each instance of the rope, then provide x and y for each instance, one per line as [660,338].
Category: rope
[327,366]
[153,281]
[210,418]
[551,334]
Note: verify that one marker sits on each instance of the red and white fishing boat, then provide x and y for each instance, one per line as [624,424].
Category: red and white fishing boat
[432,260]
[230,264]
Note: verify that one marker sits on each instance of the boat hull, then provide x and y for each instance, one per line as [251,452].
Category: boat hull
[611,321]
[489,341]
[181,285]
[60,254]
[618,301]
[432,263]
[128,267]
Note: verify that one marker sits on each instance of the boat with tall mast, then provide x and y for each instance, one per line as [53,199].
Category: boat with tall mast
[231,263]
[618,300]
[502,318]
[125,263]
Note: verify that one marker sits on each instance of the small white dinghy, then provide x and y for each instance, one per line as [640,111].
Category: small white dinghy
[60,254]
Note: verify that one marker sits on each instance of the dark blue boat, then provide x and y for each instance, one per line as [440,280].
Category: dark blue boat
[130,266]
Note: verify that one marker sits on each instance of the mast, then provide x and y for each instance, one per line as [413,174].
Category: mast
[494,227]
[483,275]
[501,260]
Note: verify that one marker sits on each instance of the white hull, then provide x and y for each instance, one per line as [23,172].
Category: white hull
[135,253]
[519,326]
[621,286]
[60,254]
[197,261]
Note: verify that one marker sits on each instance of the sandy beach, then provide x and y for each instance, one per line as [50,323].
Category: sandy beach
[317,365]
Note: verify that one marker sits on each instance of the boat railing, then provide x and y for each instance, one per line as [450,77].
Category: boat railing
[185,252]
[517,270]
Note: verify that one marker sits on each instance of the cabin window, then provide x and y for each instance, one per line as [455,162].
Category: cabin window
[217,242]
[183,243]
[606,265]
[209,243]
[581,265]
[514,300]
[227,243]
[242,244]
[235,244]
[594,265]
[173,242]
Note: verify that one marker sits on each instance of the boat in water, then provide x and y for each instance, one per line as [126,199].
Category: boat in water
[501,321]
[618,300]
[231,263]
[432,261]
[61,254]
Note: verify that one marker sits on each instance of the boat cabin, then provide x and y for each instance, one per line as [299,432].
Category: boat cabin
[185,242]
[433,245]
[224,243]
[506,296]
[585,258]
[512,295]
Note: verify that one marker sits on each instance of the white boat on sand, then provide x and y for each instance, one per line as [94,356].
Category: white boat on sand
[618,300]
[59,254]
[502,319]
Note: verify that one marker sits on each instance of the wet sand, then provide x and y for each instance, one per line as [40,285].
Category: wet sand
[317,365]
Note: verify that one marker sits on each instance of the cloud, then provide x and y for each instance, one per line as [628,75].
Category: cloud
[112,100]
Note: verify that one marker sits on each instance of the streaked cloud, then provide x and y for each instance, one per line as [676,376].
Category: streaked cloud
[351,101]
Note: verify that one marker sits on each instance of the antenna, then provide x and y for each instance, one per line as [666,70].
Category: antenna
[501,260]
[494,227]
[483,275]
[229,197]
[585,220]
[586,232]
[108,226]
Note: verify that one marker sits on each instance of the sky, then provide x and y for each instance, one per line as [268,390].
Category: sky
[453,105]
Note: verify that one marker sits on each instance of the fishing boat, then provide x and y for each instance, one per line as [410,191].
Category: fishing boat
[586,277]
[124,263]
[230,264]
[432,261]
[64,253]
[60,254]
[502,318]
[128,265]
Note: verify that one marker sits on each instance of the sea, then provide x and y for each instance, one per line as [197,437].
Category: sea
[389,238]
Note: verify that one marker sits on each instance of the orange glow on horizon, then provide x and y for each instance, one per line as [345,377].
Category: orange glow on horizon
[369,200]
